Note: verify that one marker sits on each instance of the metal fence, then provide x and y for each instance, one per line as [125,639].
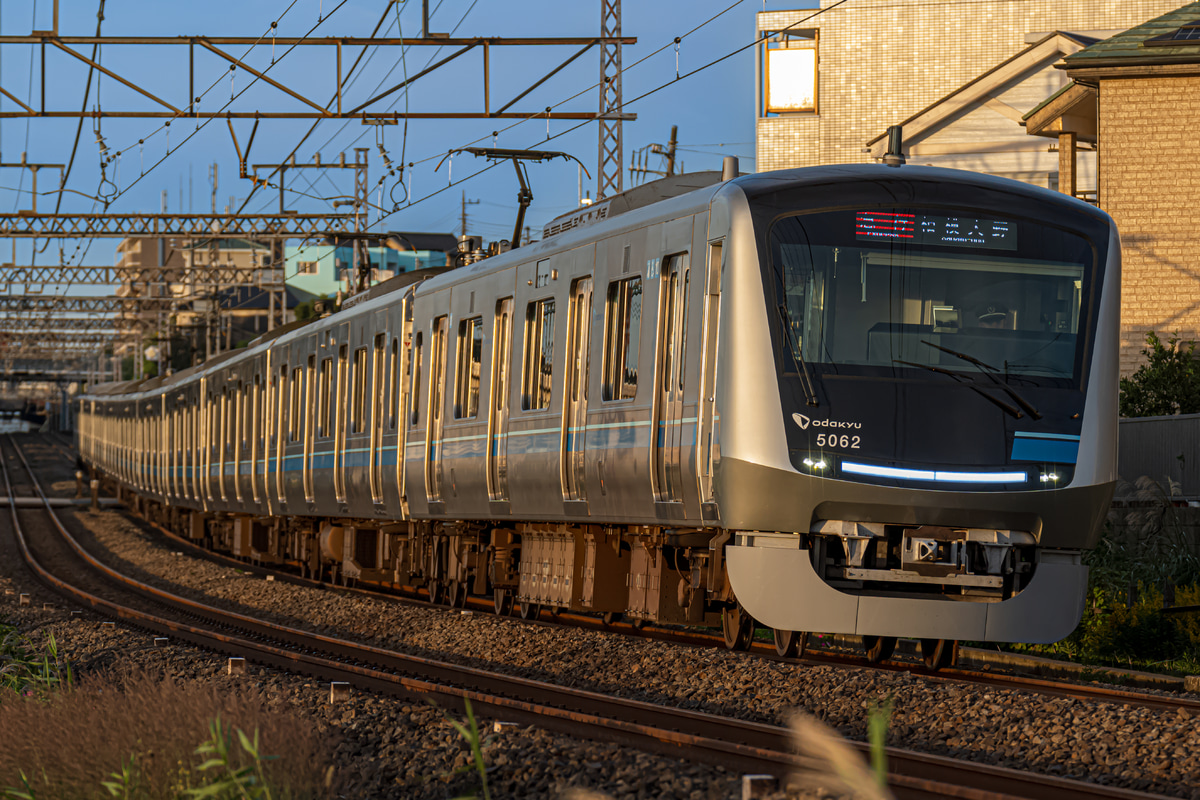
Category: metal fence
[1162,448]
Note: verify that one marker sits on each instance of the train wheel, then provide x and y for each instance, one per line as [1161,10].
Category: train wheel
[879,648]
[502,602]
[457,595]
[737,627]
[939,653]
[528,610]
[791,644]
[611,616]
[437,591]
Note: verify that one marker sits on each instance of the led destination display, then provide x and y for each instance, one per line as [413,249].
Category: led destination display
[926,229]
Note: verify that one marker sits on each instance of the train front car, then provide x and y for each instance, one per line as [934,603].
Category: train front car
[917,402]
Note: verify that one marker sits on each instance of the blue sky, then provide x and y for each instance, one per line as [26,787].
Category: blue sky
[714,110]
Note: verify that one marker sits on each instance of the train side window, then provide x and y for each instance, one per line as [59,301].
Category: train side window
[622,339]
[296,412]
[359,403]
[414,388]
[249,410]
[378,376]
[538,377]
[394,383]
[307,407]
[325,399]
[470,359]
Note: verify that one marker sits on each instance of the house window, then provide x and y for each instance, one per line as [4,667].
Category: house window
[791,73]
[306,267]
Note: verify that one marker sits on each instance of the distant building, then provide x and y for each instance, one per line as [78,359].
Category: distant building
[325,269]
[960,74]
[189,287]
[1135,94]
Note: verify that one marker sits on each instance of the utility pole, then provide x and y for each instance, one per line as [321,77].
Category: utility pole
[639,159]
[671,151]
[465,203]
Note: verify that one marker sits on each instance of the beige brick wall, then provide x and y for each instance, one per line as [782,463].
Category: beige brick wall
[1150,185]
[882,61]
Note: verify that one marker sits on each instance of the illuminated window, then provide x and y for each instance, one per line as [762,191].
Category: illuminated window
[791,73]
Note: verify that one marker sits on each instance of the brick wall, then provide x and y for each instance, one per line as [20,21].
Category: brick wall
[1150,186]
[882,61]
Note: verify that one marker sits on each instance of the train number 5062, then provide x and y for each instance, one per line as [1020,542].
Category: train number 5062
[833,440]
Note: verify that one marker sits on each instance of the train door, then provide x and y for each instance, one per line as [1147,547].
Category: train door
[288,427]
[257,462]
[433,436]
[706,422]
[339,432]
[497,452]
[574,439]
[377,421]
[276,403]
[404,398]
[240,438]
[310,417]
[668,405]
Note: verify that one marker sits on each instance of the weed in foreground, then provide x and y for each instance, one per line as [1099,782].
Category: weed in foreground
[470,732]
[28,670]
[142,735]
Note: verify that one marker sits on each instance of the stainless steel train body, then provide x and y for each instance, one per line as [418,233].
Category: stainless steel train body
[776,392]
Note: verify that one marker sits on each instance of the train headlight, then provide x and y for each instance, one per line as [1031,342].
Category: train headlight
[1049,477]
[818,464]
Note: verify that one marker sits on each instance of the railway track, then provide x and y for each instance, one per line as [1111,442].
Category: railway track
[698,638]
[737,744]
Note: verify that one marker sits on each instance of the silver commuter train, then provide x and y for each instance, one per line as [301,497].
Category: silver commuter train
[884,405]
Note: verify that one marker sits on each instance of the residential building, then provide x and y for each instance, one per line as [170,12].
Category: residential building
[1135,95]
[327,268]
[829,87]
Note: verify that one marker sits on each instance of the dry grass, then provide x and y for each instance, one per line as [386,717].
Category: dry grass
[65,745]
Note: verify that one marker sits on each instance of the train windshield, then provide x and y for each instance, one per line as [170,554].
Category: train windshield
[882,290]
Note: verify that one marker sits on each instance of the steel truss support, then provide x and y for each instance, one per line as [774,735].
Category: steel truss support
[56,324]
[608,168]
[294,104]
[74,304]
[245,226]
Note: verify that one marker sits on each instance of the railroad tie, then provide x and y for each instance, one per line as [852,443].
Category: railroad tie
[339,692]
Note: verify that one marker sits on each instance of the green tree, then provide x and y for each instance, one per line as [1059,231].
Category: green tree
[1168,383]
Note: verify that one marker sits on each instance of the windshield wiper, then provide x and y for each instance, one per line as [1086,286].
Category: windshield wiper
[991,372]
[801,365]
[969,382]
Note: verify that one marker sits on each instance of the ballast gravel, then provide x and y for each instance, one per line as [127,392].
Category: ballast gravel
[386,748]
[1116,744]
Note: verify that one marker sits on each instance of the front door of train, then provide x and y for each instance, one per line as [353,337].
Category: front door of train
[574,439]
[668,402]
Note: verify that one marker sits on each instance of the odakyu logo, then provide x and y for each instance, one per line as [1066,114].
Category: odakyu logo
[804,423]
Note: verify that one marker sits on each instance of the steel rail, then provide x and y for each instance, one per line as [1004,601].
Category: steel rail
[740,744]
